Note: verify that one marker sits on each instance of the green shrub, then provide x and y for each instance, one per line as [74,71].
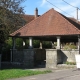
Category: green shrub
[69,47]
[19,43]
[36,43]
[70,63]
[46,44]
[6,50]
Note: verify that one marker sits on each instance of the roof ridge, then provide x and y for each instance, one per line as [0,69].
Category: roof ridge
[68,21]
[39,22]
[30,22]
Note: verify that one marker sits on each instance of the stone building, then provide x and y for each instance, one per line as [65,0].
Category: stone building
[51,26]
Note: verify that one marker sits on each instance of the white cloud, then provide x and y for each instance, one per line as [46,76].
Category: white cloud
[43,2]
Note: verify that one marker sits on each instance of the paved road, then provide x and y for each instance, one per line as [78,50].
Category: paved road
[70,74]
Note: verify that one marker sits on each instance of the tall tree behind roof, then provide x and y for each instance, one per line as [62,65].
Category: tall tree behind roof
[12,5]
[10,11]
[10,17]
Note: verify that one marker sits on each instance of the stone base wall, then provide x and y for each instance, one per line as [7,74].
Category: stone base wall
[40,54]
[54,57]
[51,58]
[28,58]
[18,56]
[40,57]
[60,56]
[66,55]
[25,58]
[69,55]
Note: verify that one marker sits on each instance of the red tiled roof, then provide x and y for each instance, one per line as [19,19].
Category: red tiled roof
[49,24]
[28,18]
[75,20]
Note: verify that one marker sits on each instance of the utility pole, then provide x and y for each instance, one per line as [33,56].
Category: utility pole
[77,13]
[74,7]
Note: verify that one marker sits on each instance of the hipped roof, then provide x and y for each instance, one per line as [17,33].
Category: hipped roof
[51,23]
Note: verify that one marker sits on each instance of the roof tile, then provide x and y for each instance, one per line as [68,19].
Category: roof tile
[49,24]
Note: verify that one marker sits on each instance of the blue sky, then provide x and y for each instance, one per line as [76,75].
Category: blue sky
[43,6]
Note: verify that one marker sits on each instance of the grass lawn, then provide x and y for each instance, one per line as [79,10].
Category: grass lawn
[16,73]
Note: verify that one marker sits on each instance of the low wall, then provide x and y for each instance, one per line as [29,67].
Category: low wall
[24,57]
[69,55]
[28,58]
[18,56]
[40,57]
[51,58]
[54,57]
[60,56]
[66,55]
